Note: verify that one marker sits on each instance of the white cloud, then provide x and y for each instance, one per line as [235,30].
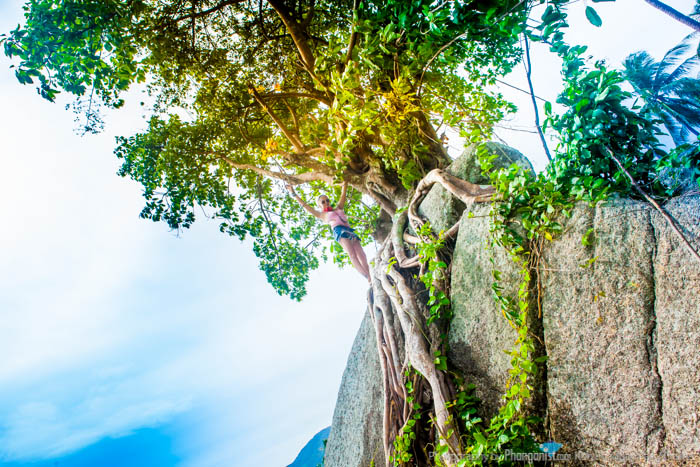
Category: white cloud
[38,429]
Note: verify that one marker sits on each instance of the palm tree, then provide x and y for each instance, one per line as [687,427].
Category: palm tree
[666,89]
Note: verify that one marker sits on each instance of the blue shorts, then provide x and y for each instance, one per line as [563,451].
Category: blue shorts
[341,231]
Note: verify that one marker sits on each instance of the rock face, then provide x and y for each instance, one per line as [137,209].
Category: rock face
[356,430]
[621,384]
[479,333]
[602,381]
[677,331]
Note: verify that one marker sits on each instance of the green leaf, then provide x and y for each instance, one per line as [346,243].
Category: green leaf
[593,17]
[601,97]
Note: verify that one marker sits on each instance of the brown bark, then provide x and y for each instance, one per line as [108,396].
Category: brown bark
[293,139]
[394,296]
[297,32]
[465,191]
[211,10]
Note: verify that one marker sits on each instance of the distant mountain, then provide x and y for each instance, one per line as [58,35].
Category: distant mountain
[312,454]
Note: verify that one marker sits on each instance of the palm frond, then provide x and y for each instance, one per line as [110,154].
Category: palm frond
[670,59]
[666,88]
[639,68]
[675,129]
[681,121]
[688,88]
[689,110]
[683,69]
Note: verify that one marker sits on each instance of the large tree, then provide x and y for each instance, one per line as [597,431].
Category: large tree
[250,95]
[250,92]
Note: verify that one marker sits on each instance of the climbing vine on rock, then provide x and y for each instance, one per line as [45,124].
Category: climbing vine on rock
[606,144]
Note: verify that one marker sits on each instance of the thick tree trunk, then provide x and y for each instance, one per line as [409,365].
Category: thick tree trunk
[395,295]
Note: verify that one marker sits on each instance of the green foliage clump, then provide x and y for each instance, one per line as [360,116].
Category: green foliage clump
[82,47]
[403,443]
[600,123]
[435,275]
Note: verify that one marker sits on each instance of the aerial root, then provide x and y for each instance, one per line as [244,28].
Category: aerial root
[463,190]
[393,296]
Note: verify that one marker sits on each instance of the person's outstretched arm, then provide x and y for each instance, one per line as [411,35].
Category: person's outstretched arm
[308,208]
[343,193]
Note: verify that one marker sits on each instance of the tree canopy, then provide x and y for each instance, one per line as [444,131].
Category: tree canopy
[250,94]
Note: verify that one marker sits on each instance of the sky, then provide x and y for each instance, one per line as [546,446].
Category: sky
[125,344]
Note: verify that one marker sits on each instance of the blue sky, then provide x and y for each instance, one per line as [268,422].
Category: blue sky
[115,329]
[121,339]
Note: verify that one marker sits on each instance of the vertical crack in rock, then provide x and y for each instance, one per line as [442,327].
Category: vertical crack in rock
[539,399]
[652,355]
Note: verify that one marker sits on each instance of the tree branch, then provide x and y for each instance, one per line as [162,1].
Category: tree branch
[297,32]
[294,116]
[463,190]
[437,54]
[528,70]
[353,38]
[296,142]
[269,227]
[296,179]
[312,9]
[397,231]
[213,9]
[284,95]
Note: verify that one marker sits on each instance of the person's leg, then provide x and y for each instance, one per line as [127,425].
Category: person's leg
[350,250]
[360,255]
